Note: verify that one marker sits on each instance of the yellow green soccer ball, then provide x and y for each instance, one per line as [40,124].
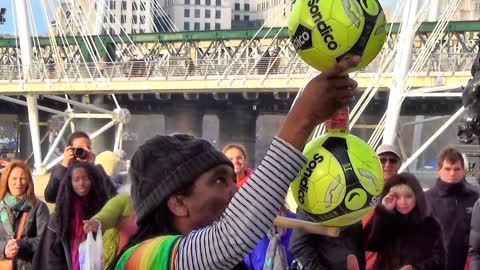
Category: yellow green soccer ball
[325,31]
[341,181]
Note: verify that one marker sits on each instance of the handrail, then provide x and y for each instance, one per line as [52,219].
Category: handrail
[173,69]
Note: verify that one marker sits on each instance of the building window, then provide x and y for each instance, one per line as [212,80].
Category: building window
[112,31]
[246,18]
[217,26]
[142,6]
[237,6]
[112,4]
[477,6]
[208,2]
[218,14]
[197,2]
[186,13]
[187,2]
[134,19]
[142,19]
[134,6]
[247,7]
[207,26]
[236,18]
[186,26]
[123,18]
[197,13]
[207,13]
[218,3]
[196,27]
[105,20]
[124,5]
[112,18]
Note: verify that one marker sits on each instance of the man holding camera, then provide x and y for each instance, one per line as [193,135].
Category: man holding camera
[78,148]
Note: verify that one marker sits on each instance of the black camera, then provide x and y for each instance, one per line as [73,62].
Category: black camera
[79,153]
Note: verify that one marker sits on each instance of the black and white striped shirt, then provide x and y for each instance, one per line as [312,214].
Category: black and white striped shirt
[247,218]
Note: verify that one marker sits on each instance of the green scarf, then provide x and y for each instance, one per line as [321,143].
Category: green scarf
[10,209]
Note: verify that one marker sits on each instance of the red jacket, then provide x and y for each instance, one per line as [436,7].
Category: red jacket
[241,181]
[370,256]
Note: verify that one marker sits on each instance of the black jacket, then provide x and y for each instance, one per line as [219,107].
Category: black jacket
[51,190]
[474,250]
[451,205]
[52,254]
[317,252]
[35,224]
[399,242]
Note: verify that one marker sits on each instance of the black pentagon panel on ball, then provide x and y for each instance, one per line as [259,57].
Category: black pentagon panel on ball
[302,38]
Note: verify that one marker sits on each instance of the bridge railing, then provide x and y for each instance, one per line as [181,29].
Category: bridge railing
[215,69]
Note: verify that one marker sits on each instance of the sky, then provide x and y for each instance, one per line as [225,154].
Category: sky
[41,23]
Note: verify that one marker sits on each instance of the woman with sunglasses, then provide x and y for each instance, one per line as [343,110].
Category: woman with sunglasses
[389,156]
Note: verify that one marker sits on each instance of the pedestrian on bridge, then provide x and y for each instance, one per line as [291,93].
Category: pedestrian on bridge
[189,213]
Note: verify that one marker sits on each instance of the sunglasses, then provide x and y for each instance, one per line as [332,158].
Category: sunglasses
[391,160]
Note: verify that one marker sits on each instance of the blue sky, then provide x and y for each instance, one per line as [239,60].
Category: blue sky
[8,27]
[41,23]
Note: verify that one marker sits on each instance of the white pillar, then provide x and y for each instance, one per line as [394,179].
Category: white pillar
[402,65]
[25,35]
[99,17]
[435,9]
[417,138]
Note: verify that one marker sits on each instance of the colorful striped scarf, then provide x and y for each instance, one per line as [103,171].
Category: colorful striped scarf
[157,253]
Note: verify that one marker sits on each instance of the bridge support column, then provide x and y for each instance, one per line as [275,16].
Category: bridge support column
[184,119]
[402,65]
[237,124]
[23,23]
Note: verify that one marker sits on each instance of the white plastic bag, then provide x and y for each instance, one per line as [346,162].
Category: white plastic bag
[90,252]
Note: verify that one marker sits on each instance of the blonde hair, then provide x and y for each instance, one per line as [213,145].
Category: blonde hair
[29,193]
[402,188]
[240,147]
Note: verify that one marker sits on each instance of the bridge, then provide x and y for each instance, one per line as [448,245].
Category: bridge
[211,61]
[236,75]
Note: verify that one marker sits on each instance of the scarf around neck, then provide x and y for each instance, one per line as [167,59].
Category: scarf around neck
[77,235]
[10,209]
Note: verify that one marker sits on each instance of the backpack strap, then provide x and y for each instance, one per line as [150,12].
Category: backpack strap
[22,225]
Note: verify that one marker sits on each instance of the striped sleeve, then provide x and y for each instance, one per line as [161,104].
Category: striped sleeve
[247,218]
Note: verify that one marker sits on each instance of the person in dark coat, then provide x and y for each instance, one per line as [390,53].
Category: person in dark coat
[81,195]
[451,202]
[18,196]
[77,140]
[323,252]
[400,231]
[474,250]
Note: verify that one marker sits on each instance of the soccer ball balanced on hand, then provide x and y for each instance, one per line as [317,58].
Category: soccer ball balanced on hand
[323,32]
